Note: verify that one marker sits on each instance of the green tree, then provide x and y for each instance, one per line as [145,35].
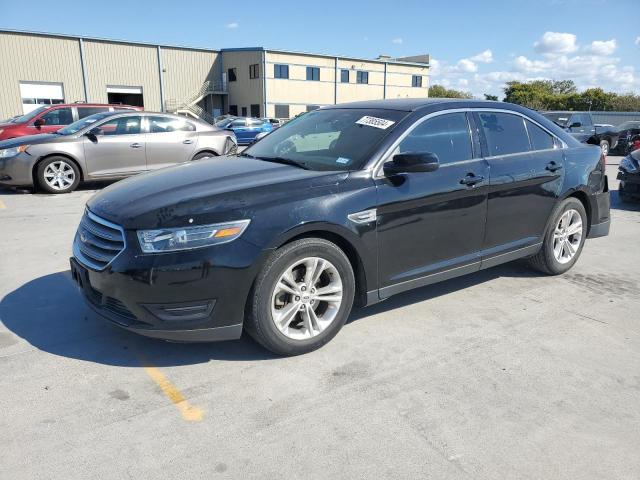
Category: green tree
[490,97]
[438,91]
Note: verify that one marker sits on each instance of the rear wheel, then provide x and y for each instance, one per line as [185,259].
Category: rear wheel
[301,298]
[58,175]
[563,240]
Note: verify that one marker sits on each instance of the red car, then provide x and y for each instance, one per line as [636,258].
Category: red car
[49,118]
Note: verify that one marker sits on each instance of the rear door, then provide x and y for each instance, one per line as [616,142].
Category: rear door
[239,127]
[118,148]
[169,141]
[431,224]
[526,176]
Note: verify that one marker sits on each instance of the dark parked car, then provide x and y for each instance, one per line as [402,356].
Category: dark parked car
[629,176]
[628,134]
[345,205]
[583,127]
[51,118]
[107,146]
[245,128]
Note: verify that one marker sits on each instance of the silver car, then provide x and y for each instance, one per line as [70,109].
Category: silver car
[108,145]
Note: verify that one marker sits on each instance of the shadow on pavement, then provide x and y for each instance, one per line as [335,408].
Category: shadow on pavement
[50,314]
[618,204]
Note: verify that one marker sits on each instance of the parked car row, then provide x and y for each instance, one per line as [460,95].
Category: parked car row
[247,128]
[108,145]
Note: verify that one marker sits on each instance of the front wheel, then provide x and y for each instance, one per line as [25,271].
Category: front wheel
[58,175]
[563,240]
[301,298]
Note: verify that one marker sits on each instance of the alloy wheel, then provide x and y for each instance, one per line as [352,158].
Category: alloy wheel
[306,299]
[567,236]
[59,175]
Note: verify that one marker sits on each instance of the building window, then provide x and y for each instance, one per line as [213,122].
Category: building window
[281,71]
[313,73]
[254,71]
[416,81]
[362,77]
[311,108]
[255,110]
[231,75]
[233,110]
[244,111]
[344,76]
[282,111]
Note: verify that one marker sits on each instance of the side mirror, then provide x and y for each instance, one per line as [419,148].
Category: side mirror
[39,122]
[575,125]
[93,134]
[411,162]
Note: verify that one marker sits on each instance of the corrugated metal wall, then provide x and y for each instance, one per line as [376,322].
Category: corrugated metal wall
[31,58]
[186,70]
[117,64]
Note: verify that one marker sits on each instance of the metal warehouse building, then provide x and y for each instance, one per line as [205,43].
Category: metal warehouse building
[42,68]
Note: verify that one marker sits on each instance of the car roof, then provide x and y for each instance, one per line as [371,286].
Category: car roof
[413,104]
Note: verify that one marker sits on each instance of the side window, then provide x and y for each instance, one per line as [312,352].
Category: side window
[254,122]
[504,132]
[121,126]
[585,119]
[238,123]
[540,140]
[59,116]
[87,111]
[168,124]
[446,135]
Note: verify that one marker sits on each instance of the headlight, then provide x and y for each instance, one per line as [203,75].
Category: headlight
[12,152]
[628,165]
[173,239]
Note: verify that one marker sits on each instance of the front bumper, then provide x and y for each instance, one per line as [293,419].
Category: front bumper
[629,184]
[16,171]
[141,292]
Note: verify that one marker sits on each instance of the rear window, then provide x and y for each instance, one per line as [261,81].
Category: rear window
[505,133]
[540,140]
[88,111]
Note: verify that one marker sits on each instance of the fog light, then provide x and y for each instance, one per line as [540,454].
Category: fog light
[182,312]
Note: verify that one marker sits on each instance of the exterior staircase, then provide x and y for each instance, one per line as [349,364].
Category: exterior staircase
[189,107]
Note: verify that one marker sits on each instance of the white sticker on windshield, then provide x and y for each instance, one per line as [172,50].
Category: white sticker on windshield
[343,160]
[375,122]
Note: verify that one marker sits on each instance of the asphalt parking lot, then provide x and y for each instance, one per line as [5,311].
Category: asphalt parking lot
[501,374]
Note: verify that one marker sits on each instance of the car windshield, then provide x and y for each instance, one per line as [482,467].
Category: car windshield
[328,139]
[558,118]
[628,125]
[224,122]
[75,127]
[27,117]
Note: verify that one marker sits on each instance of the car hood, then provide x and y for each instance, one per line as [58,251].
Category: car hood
[30,140]
[205,191]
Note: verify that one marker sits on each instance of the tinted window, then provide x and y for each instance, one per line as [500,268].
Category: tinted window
[241,122]
[255,110]
[445,135]
[344,76]
[362,77]
[281,71]
[311,108]
[168,124]
[86,111]
[231,75]
[585,119]
[60,116]
[416,81]
[233,109]
[282,111]
[254,122]
[121,126]
[244,111]
[505,133]
[254,71]
[313,73]
[540,140]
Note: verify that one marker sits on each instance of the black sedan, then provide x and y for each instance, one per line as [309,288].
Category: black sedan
[629,176]
[348,204]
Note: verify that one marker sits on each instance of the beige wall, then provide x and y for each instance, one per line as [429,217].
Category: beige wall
[186,70]
[399,81]
[31,58]
[244,91]
[116,64]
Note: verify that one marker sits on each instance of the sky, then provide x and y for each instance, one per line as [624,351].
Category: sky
[475,46]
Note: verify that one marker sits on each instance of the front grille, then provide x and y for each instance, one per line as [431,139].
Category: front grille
[97,241]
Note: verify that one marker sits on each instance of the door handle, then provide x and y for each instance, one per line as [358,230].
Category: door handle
[135,145]
[188,142]
[553,166]
[470,180]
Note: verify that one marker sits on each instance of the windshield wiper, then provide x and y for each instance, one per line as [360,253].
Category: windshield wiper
[285,161]
[245,155]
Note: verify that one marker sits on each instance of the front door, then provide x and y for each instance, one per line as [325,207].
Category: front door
[53,119]
[431,224]
[169,141]
[117,149]
[526,177]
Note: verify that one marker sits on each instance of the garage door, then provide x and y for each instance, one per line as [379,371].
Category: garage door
[125,95]
[36,94]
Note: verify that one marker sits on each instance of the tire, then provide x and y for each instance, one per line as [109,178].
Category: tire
[201,155]
[269,302]
[604,146]
[547,260]
[46,175]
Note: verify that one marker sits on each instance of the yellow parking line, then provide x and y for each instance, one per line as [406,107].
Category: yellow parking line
[188,411]
[2,205]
